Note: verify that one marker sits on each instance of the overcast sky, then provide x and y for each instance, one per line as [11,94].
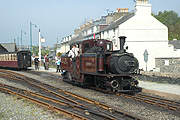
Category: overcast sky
[58,18]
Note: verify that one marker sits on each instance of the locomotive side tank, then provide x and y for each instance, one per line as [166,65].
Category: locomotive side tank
[98,65]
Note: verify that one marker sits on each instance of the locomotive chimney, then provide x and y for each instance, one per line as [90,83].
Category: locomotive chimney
[122,40]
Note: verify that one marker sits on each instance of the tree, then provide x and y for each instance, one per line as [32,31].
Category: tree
[59,54]
[44,51]
[35,50]
[172,21]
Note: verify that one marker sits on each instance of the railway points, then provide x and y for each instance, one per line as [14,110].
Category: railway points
[166,104]
[70,97]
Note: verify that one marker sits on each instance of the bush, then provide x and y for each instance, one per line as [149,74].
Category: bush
[59,54]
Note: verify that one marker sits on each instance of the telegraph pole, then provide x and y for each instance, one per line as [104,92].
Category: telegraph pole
[15,40]
[56,44]
[39,46]
[18,41]
[21,38]
[146,57]
[31,36]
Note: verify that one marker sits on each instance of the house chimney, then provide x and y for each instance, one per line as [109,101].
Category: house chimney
[122,10]
[142,1]
[143,7]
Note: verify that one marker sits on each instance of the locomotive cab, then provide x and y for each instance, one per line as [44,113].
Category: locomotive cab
[96,45]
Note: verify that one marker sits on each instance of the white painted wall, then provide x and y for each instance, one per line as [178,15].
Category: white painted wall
[89,31]
[95,29]
[64,48]
[145,32]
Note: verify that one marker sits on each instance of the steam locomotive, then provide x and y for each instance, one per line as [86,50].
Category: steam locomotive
[99,66]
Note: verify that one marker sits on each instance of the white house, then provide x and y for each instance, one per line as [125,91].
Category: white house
[84,32]
[64,45]
[143,32]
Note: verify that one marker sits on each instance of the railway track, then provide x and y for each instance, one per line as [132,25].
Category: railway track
[164,103]
[87,109]
[44,101]
[156,101]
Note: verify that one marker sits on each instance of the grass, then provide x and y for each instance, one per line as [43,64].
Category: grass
[1,116]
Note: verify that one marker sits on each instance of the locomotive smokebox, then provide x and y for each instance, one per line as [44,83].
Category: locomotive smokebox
[122,40]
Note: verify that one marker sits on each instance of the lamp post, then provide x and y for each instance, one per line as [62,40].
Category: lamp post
[17,41]
[31,24]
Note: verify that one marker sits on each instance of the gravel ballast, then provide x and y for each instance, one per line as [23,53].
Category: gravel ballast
[143,110]
[13,108]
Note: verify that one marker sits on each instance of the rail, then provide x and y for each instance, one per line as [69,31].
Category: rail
[109,112]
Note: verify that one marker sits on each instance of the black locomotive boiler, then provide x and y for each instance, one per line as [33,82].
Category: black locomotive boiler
[98,65]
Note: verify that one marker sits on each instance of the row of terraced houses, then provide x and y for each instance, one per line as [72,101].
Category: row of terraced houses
[143,32]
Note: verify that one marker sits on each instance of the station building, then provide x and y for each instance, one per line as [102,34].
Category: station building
[7,47]
[143,32]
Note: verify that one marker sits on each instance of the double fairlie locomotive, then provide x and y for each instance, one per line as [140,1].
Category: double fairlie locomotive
[99,66]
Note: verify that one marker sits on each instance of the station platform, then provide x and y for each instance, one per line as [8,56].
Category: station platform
[41,68]
[161,87]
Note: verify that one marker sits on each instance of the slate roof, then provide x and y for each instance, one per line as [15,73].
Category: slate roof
[175,43]
[2,49]
[113,25]
[119,21]
[10,47]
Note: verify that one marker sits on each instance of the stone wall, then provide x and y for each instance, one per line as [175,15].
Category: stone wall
[158,77]
[168,65]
